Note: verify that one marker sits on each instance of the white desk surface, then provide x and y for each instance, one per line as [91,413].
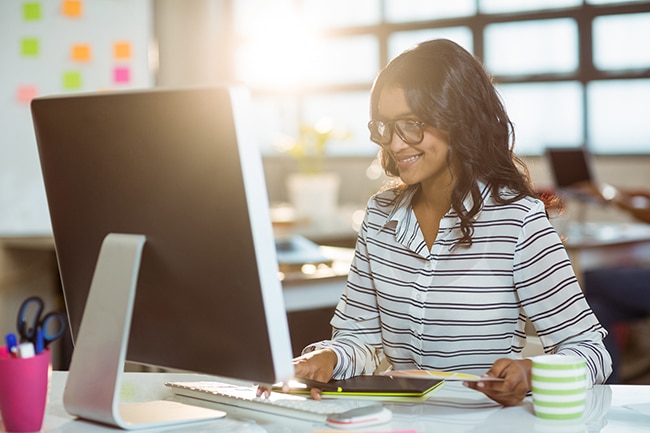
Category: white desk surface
[615,409]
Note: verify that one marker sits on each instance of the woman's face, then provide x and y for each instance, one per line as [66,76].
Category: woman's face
[425,162]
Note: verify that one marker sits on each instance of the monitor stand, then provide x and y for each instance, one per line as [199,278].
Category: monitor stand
[94,380]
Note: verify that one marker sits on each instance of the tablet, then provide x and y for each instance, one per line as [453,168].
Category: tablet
[368,386]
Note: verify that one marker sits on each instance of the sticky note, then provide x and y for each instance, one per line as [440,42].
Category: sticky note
[71,80]
[122,50]
[32,11]
[24,94]
[80,52]
[121,75]
[29,46]
[72,8]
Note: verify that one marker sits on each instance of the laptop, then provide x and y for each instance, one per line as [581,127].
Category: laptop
[570,166]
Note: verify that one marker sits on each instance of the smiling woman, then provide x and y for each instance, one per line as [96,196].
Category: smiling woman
[454,257]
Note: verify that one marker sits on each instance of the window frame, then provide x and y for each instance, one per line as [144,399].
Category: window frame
[584,16]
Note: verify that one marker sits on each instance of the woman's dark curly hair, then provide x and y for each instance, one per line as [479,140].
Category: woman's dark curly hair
[447,88]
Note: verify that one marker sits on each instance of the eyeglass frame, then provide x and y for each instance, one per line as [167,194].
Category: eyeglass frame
[392,124]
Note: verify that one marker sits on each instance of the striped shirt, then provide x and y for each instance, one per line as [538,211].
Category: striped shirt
[460,309]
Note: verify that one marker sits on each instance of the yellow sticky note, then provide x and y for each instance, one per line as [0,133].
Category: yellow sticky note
[31,11]
[122,50]
[80,52]
[29,46]
[72,80]
[72,8]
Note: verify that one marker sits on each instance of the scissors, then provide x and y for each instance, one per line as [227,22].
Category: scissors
[36,329]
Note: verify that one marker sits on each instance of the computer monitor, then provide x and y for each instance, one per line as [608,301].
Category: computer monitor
[179,168]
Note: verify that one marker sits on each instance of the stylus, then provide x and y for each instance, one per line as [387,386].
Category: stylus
[320,385]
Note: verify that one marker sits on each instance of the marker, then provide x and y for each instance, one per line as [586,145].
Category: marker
[39,344]
[26,350]
[12,344]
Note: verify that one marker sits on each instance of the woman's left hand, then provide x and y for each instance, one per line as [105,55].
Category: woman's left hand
[516,384]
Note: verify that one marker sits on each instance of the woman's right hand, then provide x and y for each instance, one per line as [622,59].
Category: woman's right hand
[317,365]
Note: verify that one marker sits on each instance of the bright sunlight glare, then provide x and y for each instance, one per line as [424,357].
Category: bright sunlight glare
[278,53]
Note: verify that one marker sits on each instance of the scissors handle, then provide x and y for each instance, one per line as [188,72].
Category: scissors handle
[46,329]
[39,330]
[26,330]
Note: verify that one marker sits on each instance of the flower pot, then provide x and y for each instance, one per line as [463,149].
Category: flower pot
[314,196]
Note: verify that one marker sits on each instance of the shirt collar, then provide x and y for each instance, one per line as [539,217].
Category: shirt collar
[402,208]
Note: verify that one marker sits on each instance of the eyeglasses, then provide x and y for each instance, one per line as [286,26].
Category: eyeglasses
[410,131]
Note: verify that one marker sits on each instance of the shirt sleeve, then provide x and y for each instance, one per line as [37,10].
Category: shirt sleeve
[356,332]
[553,300]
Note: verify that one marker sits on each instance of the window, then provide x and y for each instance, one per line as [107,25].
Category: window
[620,42]
[544,114]
[532,47]
[619,119]
[569,71]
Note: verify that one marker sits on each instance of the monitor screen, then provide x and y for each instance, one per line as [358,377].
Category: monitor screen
[181,167]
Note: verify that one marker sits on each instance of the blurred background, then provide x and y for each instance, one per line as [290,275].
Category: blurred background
[571,73]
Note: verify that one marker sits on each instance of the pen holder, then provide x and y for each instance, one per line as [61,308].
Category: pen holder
[24,384]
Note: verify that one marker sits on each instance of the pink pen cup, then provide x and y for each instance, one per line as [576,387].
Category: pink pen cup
[23,392]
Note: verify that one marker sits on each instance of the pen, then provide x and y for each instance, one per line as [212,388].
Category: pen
[320,385]
[12,344]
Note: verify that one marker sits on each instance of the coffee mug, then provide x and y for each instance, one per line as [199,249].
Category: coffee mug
[559,384]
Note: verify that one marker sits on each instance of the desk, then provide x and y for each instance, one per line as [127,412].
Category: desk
[611,408]
[598,245]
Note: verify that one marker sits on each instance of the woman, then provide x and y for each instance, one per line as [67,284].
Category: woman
[451,260]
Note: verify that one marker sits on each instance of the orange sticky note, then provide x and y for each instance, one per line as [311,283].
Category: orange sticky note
[80,52]
[122,50]
[72,8]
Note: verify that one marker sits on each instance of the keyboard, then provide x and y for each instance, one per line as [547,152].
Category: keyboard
[241,400]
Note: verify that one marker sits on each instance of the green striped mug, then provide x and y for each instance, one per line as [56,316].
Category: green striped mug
[559,385]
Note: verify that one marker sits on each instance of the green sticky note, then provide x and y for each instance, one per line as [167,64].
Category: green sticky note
[72,80]
[31,11]
[29,47]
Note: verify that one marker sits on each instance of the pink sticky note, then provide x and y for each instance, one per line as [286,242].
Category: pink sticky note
[121,75]
[24,94]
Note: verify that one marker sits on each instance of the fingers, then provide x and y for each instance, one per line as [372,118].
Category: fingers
[513,389]
[263,392]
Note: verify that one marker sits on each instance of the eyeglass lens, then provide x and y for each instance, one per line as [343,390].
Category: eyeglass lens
[410,131]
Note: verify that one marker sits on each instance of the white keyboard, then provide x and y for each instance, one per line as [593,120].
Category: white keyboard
[242,401]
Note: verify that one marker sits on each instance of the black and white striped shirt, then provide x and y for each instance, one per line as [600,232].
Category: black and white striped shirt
[460,309]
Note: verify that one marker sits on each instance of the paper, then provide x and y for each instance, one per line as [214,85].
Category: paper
[80,52]
[72,8]
[29,47]
[121,75]
[32,11]
[71,80]
[443,375]
[122,50]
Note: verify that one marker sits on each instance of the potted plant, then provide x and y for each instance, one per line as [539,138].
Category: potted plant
[312,191]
